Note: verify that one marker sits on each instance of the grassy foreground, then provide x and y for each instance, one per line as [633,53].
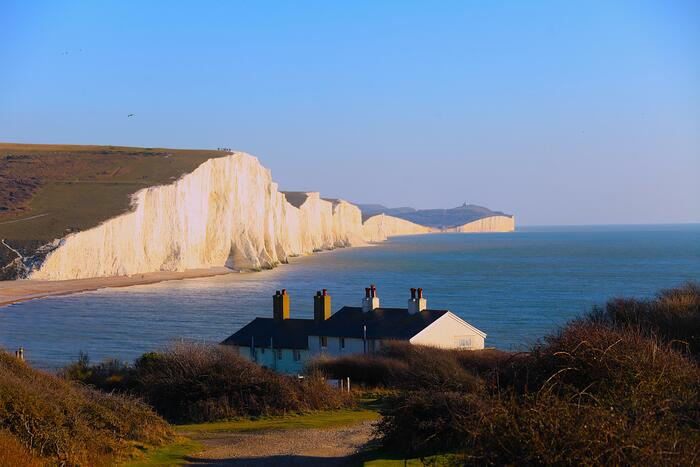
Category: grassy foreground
[322,419]
[46,420]
[177,452]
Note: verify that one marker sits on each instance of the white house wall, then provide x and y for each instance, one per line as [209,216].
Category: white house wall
[447,332]
[333,349]
[267,358]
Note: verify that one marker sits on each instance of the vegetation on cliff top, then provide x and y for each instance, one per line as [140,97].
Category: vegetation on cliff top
[47,191]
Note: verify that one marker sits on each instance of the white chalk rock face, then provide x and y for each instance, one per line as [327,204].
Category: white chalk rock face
[378,228]
[227,212]
[487,224]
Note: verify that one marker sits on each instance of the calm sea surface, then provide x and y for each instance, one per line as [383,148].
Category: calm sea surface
[516,287]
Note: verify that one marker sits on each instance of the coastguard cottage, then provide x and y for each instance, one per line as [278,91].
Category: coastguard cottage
[284,343]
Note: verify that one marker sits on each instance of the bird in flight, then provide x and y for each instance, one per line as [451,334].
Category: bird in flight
[130,115]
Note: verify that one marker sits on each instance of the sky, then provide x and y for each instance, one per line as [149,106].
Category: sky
[568,112]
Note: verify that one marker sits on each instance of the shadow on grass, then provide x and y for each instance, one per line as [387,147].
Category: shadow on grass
[286,460]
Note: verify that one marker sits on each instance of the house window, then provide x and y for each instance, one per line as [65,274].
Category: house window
[342,343]
[253,354]
[464,342]
[297,355]
[262,350]
[279,354]
[323,341]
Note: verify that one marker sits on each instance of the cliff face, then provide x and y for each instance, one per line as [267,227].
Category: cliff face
[487,224]
[378,228]
[227,212]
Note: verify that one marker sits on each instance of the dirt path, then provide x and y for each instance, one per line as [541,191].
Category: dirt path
[314,447]
[25,219]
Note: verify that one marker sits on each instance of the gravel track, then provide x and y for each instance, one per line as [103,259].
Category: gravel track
[314,447]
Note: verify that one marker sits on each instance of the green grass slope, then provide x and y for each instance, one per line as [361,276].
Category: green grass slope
[47,191]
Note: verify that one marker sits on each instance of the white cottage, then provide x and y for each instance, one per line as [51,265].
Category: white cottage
[285,344]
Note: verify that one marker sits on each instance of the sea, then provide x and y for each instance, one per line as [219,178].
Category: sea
[516,287]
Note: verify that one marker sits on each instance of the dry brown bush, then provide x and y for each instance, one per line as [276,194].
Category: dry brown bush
[196,383]
[612,388]
[673,316]
[71,424]
[406,366]
[14,454]
[590,394]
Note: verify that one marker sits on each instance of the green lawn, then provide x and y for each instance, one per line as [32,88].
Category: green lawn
[324,419]
[173,454]
[378,459]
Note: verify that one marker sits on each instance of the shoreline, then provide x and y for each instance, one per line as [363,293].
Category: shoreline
[23,290]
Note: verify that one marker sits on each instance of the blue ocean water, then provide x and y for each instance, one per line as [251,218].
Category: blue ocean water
[516,287]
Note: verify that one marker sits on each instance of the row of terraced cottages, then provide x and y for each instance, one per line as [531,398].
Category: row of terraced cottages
[285,344]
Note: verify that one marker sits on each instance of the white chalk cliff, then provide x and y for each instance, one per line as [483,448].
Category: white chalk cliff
[378,228]
[487,224]
[227,212]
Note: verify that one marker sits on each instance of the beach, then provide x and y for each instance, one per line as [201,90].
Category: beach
[25,289]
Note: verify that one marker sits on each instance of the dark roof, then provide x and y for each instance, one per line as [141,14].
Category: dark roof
[382,323]
[287,333]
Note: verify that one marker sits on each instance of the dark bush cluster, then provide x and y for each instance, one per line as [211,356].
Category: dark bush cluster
[618,387]
[673,316]
[405,366]
[197,383]
[60,422]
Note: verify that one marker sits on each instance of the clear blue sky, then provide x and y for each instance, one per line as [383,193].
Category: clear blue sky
[560,112]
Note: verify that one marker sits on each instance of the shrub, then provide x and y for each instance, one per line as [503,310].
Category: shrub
[673,315]
[428,421]
[611,388]
[70,424]
[589,394]
[406,366]
[197,383]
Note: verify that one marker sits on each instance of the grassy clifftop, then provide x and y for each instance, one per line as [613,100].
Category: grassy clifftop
[47,191]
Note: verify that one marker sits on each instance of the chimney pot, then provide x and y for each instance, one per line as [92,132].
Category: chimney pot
[322,306]
[280,305]
[371,301]
[420,293]
[413,293]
